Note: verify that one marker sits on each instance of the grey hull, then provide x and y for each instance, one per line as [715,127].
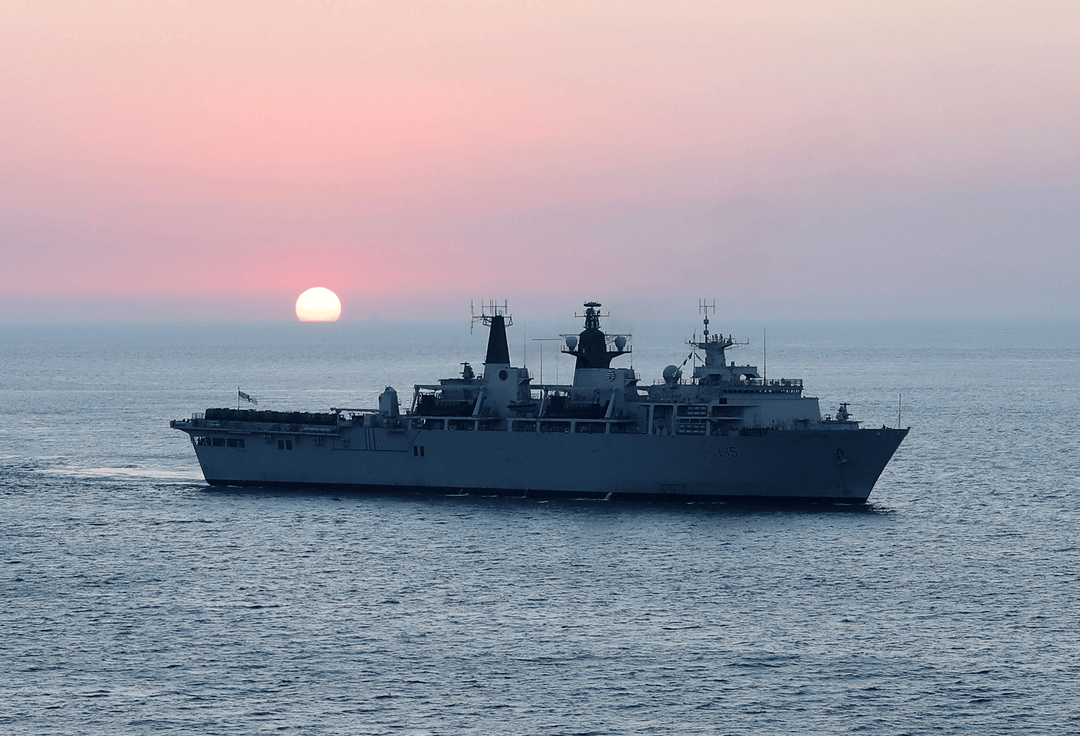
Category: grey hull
[776,466]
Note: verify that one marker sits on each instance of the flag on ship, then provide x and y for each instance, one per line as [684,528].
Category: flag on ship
[247,397]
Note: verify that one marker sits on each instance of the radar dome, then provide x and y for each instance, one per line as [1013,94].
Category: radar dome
[672,374]
[571,341]
[620,341]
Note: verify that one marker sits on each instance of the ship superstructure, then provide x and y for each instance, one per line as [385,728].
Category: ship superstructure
[726,432]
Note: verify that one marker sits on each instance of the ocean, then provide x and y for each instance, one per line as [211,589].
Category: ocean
[135,599]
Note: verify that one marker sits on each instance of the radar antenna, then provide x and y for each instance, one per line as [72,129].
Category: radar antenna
[592,315]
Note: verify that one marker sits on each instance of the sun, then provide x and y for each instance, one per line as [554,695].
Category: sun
[318,305]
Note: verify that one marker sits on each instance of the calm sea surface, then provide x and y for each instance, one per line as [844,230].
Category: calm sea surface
[134,599]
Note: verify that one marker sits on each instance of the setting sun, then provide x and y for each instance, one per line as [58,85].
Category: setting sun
[318,305]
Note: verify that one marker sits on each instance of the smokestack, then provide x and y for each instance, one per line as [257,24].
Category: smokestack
[498,351]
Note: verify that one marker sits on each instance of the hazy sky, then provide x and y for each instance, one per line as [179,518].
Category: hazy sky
[213,159]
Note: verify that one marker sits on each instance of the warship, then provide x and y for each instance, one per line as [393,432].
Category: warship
[724,433]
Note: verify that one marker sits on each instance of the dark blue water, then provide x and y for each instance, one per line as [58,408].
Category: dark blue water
[133,599]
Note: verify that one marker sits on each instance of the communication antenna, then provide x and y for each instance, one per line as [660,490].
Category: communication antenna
[542,340]
[899,409]
[703,307]
[488,311]
[764,356]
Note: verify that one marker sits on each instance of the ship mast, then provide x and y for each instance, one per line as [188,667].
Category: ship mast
[715,370]
[590,346]
[496,318]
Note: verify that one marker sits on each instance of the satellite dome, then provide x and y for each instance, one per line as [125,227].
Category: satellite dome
[571,341]
[672,374]
[620,341]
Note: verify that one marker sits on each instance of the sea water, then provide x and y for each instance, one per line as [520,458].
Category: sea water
[135,599]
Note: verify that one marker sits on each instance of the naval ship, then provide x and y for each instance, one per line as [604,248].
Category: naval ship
[725,433]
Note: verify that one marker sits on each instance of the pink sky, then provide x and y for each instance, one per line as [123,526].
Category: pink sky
[212,160]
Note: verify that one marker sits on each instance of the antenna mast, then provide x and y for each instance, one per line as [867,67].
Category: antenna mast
[487,312]
[764,355]
[703,307]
